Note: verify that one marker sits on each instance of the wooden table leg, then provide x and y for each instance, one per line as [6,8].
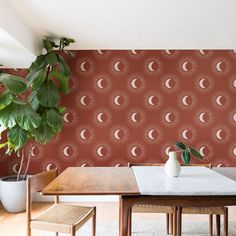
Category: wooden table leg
[171,223]
[211,224]
[167,223]
[179,221]
[124,215]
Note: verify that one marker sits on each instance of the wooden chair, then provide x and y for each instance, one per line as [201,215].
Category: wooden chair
[169,210]
[63,218]
[217,211]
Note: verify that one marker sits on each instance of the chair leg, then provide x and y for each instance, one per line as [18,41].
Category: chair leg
[167,223]
[226,221]
[217,225]
[179,221]
[73,232]
[28,233]
[56,233]
[175,222]
[94,223]
[211,224]
[171,223]
[130,223]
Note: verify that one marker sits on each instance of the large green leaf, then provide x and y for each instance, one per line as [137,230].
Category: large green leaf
[8,115]
[39,64]
[186,156]
[13,83]
[18,136]
[5,99]
[44,133]
[180,145]
[27,118]
[196,153]
[33,100]
[48,95]
[63,67]
[54,119]
[63,81]
[51,58]
[38,81]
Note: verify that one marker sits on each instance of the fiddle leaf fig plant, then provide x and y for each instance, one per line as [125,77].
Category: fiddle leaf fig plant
[29,108]
[187,152]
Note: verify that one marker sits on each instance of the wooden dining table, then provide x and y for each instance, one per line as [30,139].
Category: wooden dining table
[125,183]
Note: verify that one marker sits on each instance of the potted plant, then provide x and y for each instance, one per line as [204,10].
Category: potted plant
[172,166]
[30,112]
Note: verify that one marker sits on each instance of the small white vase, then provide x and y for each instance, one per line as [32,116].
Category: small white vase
[172,166]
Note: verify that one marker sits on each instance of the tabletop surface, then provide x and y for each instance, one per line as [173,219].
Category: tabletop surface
[122,181]
[192,181]
[94,181]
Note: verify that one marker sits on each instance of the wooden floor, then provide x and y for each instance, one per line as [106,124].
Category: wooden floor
[14,224]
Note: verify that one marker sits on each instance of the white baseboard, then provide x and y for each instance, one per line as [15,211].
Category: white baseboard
[109,198]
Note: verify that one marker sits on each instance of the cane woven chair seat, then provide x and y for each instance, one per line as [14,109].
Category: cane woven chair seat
[63,216]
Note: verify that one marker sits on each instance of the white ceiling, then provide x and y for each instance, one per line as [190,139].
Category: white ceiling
[123,24]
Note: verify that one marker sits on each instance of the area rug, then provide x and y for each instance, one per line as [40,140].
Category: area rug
[148,228]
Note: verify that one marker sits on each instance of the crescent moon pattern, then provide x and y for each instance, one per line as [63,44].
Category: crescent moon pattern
[150,66]
[102,152]
[66,151]
[150,100]
[117,134]
[136,150]
[49,167]
[201,151]
[221,100]
[65,117]
[218,134]
[187,66]
[221,134]
[184,100]
[133,83]
[133,117]
[185,134]
[99,151]
[221,66]
[234,151]
[85,100]
[167,83]
[218,66]
[153,66]
[184,66]
[167,117]
[32,151]
[102,117]
[82,66]
[201,83]
[201,117]
[99,83]
[116,66]
[15,168]
[234,83]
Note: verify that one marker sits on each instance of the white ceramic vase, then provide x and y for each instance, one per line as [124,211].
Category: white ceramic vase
[13,194]
[172,166]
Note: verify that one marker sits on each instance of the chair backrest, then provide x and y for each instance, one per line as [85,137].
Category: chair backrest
[161,164]
[37,183]
[144,164]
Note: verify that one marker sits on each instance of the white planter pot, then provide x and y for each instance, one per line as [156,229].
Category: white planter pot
[13,194]
[172,166]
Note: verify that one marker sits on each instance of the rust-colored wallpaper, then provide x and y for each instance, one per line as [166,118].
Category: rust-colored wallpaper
[132,106]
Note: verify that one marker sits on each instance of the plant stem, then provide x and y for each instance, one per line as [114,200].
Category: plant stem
[21,165]
[28,161]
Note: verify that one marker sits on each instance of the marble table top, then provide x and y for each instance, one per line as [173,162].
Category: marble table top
[192,181]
